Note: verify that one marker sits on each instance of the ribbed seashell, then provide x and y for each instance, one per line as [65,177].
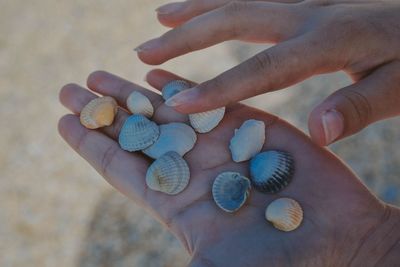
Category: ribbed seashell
[285,214]
[174,136]
[169,174]
[271,171]
[230,191]
[174,87]
[138,103]
[138,133]
[204,122]
[99,112]
[248,140]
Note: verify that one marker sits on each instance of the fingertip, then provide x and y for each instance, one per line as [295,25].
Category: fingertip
[315,127]
[95,78]
[65,92]
[65,124]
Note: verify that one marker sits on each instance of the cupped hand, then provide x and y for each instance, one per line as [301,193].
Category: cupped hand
[343,221]
[361,38]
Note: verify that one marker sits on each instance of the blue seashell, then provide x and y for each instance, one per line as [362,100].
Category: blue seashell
[138,133]
[173,88]
[271,171]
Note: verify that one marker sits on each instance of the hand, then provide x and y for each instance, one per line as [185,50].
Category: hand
[314,36]
[343,220]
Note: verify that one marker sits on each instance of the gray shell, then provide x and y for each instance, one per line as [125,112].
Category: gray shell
[175,136]
[138,103]
[285,214]
[138,133]
[173,88]
[248,140]
[169,174]
[271,171]
[230,191]
[204,122]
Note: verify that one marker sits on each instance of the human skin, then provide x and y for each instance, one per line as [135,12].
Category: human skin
[359,37]
[344,223]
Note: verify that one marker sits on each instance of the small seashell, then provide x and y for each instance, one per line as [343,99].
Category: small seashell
[285,214]
[174,87]
[99,112]
[138,133]
[169,174]
[271,171]
[204,122]
[248,140]
[175,136]
[138,103]
[230,191]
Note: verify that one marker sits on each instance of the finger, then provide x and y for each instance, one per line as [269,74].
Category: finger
[352,108]
[157,78]
[250,21]
[275,68]
[108,84]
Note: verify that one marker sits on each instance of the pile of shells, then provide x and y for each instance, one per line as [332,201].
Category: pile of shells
[270,171]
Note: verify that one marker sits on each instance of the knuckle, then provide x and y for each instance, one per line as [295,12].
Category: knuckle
[234,8]
[263,61]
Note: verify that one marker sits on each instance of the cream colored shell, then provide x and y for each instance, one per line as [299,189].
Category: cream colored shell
[204,122]
[99,112]
[169,174]
[285,214]
[138,103]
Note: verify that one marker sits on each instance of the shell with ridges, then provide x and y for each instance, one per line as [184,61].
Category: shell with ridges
[99,112]
[271,171]
[248,140]
[175,136]
[138,103]
[173,88]
[204,122]
[230,191]
[138,133]
[169,174]
[285,214]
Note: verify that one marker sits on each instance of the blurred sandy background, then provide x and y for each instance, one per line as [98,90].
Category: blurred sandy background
[54,209]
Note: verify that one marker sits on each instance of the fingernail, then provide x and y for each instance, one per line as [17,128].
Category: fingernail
[149,45]
[333,124]
[184,97]
[169,8]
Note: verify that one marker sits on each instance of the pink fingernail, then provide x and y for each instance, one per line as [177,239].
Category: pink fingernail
[185,97]
[169,8]
[149,45]
[333,124]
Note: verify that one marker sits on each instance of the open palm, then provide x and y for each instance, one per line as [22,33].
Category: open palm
[339,212]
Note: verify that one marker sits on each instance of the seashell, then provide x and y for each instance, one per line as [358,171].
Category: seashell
[230,191]
[173,88]
[285,214]
[175,136]
[248,140]
[169,174]
[138,103]
[271,171]
[204,122]
[138,133]
[99,112]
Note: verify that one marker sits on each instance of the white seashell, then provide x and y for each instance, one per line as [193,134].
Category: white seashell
[169,174]
[138,133]
[99,112]
[175,136]
[138,103]
[173,88]
[230,191]
[248,140]
[204,122]
[271,171]
[285,214]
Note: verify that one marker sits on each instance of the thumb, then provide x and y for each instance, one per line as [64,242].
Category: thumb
[351,109]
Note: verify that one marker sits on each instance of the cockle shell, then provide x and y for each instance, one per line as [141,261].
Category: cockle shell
[99,112]
[138,103]
[175,136]
[285,214]
[204,122]
[173,88]
[138,133]
[248,140]
[271,171]
[169,174]
[230,191]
